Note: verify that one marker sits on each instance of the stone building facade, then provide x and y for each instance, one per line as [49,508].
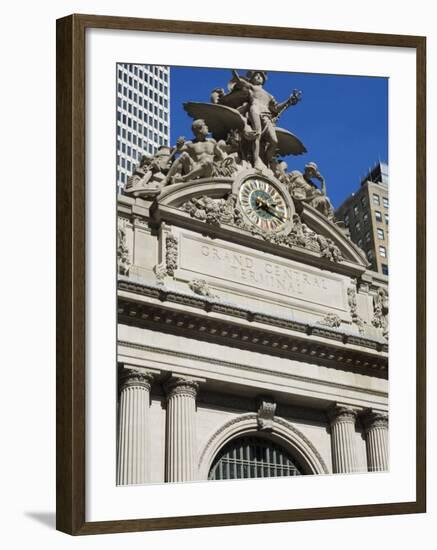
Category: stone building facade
[223,335]
[252,336]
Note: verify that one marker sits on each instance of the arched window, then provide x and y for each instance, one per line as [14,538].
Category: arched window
[253,457]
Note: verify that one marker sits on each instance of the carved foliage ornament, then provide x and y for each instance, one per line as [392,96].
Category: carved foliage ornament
[214,211]
[123,261]
[171,254]
[342,414]
[352,299]
[330,320]
[373,419]
[201,287]
[170,263]
[380,311]
[225,211]
[135,377]
[181,386]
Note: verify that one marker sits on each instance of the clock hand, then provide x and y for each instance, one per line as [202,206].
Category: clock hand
[268,208]
[261,203]
[275,213]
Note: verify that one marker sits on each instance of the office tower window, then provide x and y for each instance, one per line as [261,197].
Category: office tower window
[384,269]
[382,251]
[135,86]
[376,199]
[378,216]
[385,202]
[380,233]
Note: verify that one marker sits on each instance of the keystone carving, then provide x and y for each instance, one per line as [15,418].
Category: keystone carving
[266,413]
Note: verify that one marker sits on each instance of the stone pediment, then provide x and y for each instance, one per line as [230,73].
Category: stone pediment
[212,206]
[176,195]
[318,223]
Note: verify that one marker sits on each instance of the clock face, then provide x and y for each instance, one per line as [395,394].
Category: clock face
[263,204]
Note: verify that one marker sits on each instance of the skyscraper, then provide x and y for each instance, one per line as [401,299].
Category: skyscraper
[143,114]
[366,215]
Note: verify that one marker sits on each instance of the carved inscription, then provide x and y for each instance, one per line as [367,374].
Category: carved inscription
[267,274]
[256,271]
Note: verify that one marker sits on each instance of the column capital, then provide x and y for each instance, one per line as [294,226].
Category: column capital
[136,376]
[374,419]
[342,413]
[181,385]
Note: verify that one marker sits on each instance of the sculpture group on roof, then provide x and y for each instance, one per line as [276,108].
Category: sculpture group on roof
[245,135]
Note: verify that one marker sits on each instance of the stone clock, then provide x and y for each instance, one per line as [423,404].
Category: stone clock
[265,204]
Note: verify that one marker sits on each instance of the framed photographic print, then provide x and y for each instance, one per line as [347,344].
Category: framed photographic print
[241,257]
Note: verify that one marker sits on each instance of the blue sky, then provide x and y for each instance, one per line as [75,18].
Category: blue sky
[342,120]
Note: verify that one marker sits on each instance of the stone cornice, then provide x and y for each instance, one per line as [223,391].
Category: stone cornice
[208,304]
[293,340]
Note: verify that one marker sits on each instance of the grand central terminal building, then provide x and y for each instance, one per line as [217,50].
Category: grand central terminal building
[252,335]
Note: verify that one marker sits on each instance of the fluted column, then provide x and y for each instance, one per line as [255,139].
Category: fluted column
[376,430]
[181,429]
[133,461]
[343,439]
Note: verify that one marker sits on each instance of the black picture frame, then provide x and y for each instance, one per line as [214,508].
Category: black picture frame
[71,252]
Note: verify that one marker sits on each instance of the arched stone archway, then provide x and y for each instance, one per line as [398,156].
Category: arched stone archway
[283,432]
